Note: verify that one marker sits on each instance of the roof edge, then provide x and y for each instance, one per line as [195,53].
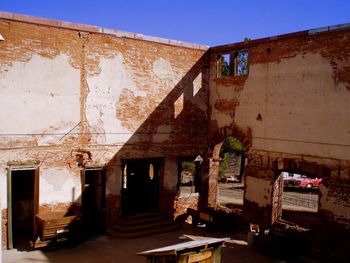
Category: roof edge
[97,29]
[315,31]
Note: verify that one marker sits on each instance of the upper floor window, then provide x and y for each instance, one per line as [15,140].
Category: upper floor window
[233,64]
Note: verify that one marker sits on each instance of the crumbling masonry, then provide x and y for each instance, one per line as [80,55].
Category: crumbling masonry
[77,99]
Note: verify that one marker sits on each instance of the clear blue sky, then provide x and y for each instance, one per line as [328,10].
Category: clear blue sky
[214,22]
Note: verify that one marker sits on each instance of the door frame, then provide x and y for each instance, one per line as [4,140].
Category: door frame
[276,199]
[11,169]
[160,163]
[101,168]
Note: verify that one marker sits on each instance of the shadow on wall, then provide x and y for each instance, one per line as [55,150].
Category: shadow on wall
[176,128]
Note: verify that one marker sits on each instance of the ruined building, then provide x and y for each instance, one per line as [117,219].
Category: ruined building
[101,120]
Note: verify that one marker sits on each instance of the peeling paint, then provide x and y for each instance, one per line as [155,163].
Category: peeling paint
[103,98]
[162,69]
[31,97]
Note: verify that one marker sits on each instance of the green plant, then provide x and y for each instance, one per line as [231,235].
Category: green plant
[231,144]
[189,166]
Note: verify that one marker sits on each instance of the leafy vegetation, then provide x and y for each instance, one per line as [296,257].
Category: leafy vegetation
[189,166]
[231,145]
[224,65]
[242,63]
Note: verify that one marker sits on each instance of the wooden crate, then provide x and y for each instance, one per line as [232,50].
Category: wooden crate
[55,227]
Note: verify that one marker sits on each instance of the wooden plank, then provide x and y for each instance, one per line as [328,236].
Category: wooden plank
[199,257]
[9,209]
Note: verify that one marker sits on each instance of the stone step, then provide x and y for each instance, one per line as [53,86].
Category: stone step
[143,225]
[142,219]
[145,232]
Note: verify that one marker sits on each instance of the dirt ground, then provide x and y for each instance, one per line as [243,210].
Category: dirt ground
[109,249]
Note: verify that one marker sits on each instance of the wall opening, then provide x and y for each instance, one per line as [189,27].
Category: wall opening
[223,64]
[187,178]
[93,200]
[140,180]
[300,191]
[231,172]
[240,63]
[233,64]
[23,201]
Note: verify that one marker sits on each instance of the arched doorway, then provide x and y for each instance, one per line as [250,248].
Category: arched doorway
[212,169]
[231,172]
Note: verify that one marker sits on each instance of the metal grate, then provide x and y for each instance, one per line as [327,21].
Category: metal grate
[300,200]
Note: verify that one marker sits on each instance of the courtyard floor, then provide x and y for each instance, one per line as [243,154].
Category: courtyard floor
[109,249]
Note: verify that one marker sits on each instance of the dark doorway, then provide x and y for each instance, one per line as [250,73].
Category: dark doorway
[22,205]
[93,201]
[140,191]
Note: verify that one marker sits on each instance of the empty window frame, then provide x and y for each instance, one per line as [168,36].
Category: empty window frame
[223,64]
[233,64]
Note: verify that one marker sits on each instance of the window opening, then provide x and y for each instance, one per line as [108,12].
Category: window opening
[125,177]
[151,171]
[224,65]
[241,62]
[233,64]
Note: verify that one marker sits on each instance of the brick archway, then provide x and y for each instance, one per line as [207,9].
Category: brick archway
[213,160]
[216,141]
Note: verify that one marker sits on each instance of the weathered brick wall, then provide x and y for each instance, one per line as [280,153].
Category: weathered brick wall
[91,98]
[292,104]
[182,204]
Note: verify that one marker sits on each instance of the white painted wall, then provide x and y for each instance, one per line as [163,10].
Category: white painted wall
[40,96]
[104,93]
[59,185]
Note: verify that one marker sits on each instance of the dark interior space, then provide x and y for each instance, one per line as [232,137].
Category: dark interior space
[93,202]
[140,186]
[22,195]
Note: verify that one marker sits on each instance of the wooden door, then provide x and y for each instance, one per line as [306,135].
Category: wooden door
[93,200]
[277,192]
[22,205]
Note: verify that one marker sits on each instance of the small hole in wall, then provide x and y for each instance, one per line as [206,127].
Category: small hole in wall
[259,118]
[268,49]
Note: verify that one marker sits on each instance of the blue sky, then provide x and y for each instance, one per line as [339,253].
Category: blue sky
[212,23]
